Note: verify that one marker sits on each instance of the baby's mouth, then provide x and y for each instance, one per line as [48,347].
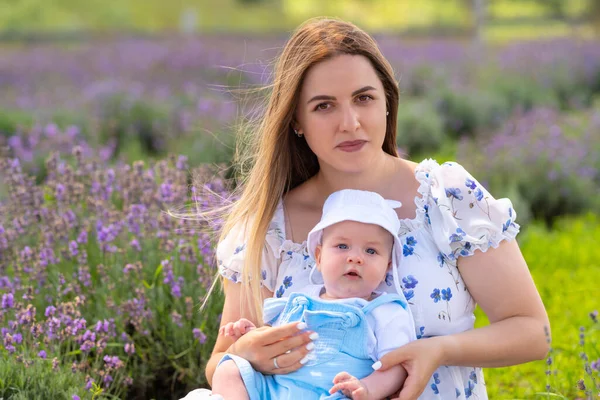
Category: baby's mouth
[352,273]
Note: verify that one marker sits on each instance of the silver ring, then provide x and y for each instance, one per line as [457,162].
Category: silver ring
[275,363]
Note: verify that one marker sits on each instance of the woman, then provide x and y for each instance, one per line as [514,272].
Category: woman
[330,124]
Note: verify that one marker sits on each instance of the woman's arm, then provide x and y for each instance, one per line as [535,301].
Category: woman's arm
[261,345]
[501,284]
[519,330]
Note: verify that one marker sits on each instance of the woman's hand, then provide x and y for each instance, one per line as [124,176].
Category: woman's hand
[278,350]
[420,358]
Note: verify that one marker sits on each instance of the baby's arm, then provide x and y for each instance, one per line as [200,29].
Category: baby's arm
[378,385]
[237,329]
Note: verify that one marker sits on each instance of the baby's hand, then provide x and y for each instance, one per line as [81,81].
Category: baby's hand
[236,329]
[350,386]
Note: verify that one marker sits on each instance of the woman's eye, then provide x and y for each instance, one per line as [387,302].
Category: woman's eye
[322,107]
[365,98]
[371,251]
[342,246]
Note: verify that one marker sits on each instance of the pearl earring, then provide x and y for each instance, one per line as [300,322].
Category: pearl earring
[297,133]
[387,113]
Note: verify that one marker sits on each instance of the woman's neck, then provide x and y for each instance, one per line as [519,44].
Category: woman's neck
[375,178]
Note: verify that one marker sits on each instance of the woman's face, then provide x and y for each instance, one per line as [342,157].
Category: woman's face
[342,113]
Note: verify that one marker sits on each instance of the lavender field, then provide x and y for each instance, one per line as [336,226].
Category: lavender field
[101,288]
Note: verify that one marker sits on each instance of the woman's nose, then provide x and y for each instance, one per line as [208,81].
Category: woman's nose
[349,122]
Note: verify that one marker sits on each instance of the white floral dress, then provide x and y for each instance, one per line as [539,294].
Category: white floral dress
[455,216]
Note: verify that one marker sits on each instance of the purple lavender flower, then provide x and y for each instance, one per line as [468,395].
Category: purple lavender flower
[18,338]
[50,310]
[198,334]
[107,380]
[113,362]
[73,248]
[42,354]
[75,397]
[82,238]
[135,244]
[130,348]
[8,300]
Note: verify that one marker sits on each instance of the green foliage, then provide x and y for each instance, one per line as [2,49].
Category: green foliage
[123,119]
[564,262]
[37,380]
[547,162]
[419,128]
[522,93]
[13,120]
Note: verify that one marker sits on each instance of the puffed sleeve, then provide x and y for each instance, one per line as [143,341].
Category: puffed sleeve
[464,217]
[231,253]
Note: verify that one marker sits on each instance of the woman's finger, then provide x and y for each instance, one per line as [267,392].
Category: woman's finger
[411,389]
[302,342]
[286,370]
[274,335]
[298,355]
[390,359]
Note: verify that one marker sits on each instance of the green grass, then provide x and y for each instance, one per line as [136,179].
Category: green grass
[565,264]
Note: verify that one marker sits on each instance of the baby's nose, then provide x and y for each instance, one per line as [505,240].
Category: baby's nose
[354,259]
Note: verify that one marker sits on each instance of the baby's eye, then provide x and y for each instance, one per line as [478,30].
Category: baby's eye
[342,246]
[371,251]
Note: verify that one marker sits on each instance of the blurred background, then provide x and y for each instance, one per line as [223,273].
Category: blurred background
[108,109]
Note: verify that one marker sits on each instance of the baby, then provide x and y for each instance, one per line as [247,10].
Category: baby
[355,246]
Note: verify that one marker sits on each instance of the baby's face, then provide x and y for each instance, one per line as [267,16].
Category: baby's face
[353,259]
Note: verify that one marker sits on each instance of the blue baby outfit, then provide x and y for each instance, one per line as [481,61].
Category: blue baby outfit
[343,333]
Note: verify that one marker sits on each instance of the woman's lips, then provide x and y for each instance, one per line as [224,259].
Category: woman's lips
[351,146]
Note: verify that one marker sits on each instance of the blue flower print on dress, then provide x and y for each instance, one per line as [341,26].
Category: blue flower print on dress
[426,208]
[454,193]
[435,295]
[234,277]
[443,295]
[469,389]
[458,393]
[263,273]
[389,279]
[288,255]
[436,381]
[239,249]
[287,282]
[446,294]
[473,376]
[466,250]
[478,194]
[441,259]
[408,294]
[409,247]
[458,236]
[506,225]
[470,183]
[421,332]
[409,282]
[279,292]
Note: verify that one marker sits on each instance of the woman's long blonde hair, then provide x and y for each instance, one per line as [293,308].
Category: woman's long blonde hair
[280,160]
